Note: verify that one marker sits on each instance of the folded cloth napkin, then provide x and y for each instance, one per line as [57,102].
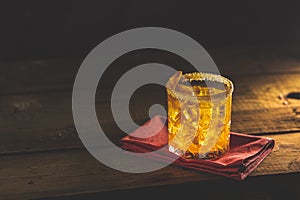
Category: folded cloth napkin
[245,154]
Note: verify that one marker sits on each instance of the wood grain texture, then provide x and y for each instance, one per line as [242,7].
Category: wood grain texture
[41,154]
[73,172]
[41,122]
[284,158]
[76,171]
[52,75]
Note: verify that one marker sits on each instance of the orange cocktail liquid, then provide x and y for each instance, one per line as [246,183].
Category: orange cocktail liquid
[198,127]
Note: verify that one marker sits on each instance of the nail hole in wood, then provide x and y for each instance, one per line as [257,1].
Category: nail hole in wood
[293,95]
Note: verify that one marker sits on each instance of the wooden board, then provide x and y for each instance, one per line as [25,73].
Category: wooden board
[284,158]
[44,121]
[42,156]
[54,75]
[71,172]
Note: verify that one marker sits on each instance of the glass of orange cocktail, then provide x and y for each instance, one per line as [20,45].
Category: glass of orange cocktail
[199,114]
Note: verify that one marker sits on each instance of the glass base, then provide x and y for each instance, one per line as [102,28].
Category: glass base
[189,155]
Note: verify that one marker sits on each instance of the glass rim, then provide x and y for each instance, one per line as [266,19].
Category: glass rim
[205,76]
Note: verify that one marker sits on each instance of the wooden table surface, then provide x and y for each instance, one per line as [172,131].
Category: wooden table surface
[42,157]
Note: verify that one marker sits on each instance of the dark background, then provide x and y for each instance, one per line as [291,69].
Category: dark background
[54,29]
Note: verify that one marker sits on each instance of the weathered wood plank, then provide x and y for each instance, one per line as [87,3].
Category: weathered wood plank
[262,188]
[59,74]
[284,158]
[41,122]
[261,104]
[41,155]
[257,59]
[38,76]
[72,172]
[58,173]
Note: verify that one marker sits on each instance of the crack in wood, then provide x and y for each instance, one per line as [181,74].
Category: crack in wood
[296,111]
[294,164]
[293,95]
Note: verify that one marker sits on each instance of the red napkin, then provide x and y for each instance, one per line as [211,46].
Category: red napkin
[245,154]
